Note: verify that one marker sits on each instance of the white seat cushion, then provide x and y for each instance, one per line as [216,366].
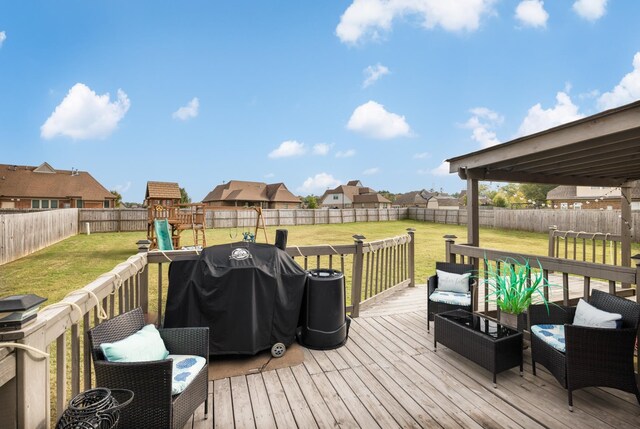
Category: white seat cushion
[453,298]
[552,335]
[185,369]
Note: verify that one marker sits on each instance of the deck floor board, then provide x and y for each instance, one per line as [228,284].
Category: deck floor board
[388,375]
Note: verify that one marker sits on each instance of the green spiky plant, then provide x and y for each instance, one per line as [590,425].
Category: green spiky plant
[514,286]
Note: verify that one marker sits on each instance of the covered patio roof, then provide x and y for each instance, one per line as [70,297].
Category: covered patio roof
[599,150]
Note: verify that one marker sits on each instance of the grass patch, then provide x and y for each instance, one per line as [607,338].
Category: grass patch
[76,261]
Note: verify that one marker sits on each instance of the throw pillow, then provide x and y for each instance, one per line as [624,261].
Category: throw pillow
[144,345]
[450,282]
[590,316]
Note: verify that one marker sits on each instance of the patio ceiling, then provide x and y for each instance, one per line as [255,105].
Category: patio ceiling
[599,150]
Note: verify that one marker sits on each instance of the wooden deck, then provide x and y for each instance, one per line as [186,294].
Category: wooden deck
[387,375]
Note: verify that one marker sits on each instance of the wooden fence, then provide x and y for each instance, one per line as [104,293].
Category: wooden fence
[34,361]
[24,233]
[601,221]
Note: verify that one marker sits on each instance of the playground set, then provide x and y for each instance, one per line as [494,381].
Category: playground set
[165,224]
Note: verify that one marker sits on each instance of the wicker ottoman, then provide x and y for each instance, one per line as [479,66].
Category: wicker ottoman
[493,346]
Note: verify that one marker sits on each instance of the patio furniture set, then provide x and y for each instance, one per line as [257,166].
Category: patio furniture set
[585,346]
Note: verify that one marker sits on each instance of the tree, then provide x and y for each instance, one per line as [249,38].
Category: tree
[310,201]
[499,200]
[184,197]
[118,200]
[536,192]
[388,195]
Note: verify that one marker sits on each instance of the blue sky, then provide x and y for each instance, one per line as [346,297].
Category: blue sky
[309,93]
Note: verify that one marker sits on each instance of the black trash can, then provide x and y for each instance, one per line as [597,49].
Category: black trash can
[324,323]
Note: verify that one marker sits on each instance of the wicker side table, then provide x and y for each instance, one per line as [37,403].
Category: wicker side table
[493,346]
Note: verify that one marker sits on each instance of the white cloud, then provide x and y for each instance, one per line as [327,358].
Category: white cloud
[269,175]
[539,119]
[3,37]
[122,188]
[422,155]
[482,123]
[83,114]
[318,184]
[626,91]
[591,10]
[531,13]
[371,171]
[373,73]
[288,148]
[345,153]
[188,111]
[441,170]
[321,148]
[372,120]
[371,18]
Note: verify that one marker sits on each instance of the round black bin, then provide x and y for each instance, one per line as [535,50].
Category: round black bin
[324,324]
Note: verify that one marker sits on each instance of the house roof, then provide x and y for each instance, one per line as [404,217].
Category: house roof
[414,197]
[370,198]
[599,150]
[163,191]
[46,182]
[445,200]
[238,190]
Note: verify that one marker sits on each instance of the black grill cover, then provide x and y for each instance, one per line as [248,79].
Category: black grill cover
[248,294]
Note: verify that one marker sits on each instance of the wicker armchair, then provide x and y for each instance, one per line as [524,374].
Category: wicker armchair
[439,307]
[153,406]
[594,356]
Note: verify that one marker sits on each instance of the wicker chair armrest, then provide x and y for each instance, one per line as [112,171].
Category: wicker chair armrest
[553,314]
[433,284]
[186,341]
[598,344]
[143,376]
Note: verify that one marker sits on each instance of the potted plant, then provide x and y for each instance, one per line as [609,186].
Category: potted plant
[513,285]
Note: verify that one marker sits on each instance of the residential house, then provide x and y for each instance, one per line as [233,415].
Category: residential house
[591,197]
[238,193]
[443,201]
[43,187]
[353,195]
[482,200]
[413,199]
[164,194]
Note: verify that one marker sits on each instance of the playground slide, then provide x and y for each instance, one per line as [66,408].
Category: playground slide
[163,236]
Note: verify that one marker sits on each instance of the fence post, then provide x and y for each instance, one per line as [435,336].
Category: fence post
[356,285]
[143,247]
[552,240]
[448,241]
[412,257]
[32,380]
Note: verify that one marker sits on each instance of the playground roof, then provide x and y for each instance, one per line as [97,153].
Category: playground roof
[163,191]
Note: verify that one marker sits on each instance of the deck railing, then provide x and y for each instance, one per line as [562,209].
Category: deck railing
[565,269]
[47,362]
[586,246]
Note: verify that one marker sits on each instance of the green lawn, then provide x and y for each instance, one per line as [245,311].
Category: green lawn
[73,263]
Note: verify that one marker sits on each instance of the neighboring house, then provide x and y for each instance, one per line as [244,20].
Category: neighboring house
[43,187]
[591,197]
[238,193]
[482,200]
[443,201]
[413,199]
[164,194]
[353,195]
